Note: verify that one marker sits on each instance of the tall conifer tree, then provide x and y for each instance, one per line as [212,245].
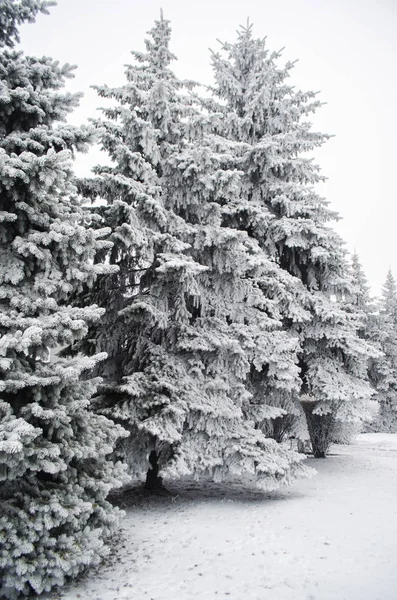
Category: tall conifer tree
[359,295]
[187,318]
[54,468]
[383,371]
[362,310]
[279,207]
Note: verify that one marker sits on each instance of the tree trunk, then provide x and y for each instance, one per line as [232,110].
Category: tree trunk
[153,481]
[318,452]
[321,429]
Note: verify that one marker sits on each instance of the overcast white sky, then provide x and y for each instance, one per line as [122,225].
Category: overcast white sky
[347,49]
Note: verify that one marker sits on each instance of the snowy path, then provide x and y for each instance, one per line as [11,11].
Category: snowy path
[333,537]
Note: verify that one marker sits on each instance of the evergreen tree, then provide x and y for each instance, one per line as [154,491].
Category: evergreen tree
[278,206]
[359,295]
[383,371]
[54,468]
[364,308]
[389,297]
[187,317]
[361,307]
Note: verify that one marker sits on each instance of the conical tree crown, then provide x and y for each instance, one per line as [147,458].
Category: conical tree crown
[389,298]
[281,208]
[360,287]
[359,304]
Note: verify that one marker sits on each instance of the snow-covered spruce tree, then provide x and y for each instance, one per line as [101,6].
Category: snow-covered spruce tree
[54,469]
[358,302]
[360,291]
[145,386]
[187,319]
[389,297]
[279,207]
[383,370]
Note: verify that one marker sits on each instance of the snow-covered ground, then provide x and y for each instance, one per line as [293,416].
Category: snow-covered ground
[333,537]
